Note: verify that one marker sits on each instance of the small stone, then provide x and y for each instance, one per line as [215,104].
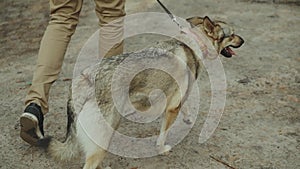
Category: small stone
[297,79]
[244,81]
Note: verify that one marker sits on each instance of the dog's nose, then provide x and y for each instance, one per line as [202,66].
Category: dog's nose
[242,41]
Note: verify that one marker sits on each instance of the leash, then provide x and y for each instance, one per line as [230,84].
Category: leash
[174,19]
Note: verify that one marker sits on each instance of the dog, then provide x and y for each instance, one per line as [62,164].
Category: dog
[186,68]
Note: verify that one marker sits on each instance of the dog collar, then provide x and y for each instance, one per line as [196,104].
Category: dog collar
[206,51]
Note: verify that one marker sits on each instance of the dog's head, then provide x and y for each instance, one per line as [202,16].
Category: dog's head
[221,34]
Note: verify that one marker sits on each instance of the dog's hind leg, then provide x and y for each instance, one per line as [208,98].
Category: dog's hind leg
[170,116]
[94,160]
[94,153]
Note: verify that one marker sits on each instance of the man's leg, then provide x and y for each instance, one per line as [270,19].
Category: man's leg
[63,21]
[111,17]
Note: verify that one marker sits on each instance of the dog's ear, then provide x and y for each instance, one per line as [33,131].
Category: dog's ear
[194,21]
[208,25]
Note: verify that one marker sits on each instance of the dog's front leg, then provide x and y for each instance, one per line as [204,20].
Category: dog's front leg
[162,148]
[186,115]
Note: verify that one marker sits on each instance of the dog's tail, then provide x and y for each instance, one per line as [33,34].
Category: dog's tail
[68,149]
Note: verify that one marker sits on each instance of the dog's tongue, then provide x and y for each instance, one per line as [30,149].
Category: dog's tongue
[230,51]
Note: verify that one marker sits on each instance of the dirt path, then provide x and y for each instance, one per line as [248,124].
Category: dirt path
[260,125]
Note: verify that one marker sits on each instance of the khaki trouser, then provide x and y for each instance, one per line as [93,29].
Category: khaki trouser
[64,15]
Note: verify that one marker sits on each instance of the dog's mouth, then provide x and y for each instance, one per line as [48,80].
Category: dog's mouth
[227,52]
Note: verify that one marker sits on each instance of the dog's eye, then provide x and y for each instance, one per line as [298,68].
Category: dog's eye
[227,31]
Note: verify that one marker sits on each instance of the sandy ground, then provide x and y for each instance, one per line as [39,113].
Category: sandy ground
[261,123]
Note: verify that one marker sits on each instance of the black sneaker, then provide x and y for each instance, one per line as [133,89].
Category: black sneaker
[32,124]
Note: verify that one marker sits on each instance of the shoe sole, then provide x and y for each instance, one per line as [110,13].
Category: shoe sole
[29,128]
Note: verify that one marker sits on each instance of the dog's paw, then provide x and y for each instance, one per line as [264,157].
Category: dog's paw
[160,140]
[107,168]
[164,150]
